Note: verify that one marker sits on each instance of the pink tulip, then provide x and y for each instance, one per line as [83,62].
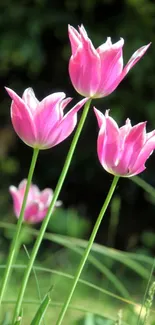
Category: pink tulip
[37,202]
[42,124]
[97,72]
[123,151]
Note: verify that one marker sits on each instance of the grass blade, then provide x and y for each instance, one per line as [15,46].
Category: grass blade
[72,307]
[67,241]
[144,185]
[41,310]
[35,275]
[84,282]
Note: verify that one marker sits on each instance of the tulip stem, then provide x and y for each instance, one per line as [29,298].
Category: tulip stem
[50,210]
[88,248]
[14,244]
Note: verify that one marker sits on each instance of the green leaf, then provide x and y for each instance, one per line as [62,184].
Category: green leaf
[42,310]
[109,275]
[69,276]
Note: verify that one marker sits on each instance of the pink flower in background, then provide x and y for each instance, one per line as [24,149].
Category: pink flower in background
[123,151]
[42,124]
[37,202]
[97,72]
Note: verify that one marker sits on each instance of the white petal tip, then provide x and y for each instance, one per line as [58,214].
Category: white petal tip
[107,112]
[12,189]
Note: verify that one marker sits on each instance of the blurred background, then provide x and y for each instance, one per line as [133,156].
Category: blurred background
[34,52]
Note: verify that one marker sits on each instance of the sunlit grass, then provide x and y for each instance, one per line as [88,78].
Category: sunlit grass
[112,280]
[86,298]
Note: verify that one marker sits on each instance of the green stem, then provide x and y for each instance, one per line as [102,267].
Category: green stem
[144,185]
[14,244]
[88,248]
[46,220]
[18,247]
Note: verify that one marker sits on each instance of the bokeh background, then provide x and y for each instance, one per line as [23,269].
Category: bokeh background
[34,52]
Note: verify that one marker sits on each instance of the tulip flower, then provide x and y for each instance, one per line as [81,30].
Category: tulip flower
[97,72]
[42,124]
[37,201]
[123,151]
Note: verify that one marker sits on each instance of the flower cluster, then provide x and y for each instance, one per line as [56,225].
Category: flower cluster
[94,73]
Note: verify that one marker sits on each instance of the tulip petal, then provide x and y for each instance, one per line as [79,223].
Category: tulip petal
[101,145]
[23,125]
[42,213]
[111,66]
[65,127]
[101,136]
[108,140]
[100,117]
[16,199]
[22,185]
[31,212]
[34,192]
[138,171]
[22,119]
[135,141]
[46,196]
[150,135]
[84,67]
[49,105]
[144,154]
[30,99]
[65,102]
[125,129]
[18,101]
[75,38]
[111,149]
[134,59]
[108,46]
[133,144]
[48,115]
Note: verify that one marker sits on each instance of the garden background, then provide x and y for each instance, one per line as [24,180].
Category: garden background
[34,52]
